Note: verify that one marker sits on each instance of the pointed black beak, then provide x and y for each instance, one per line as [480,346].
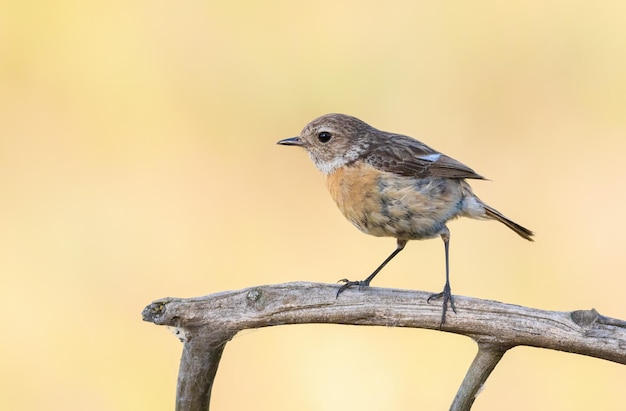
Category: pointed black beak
[293,141]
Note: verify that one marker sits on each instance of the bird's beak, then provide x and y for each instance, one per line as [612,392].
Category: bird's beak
[293,141]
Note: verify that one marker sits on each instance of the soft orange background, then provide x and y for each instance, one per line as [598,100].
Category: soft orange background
[138,161]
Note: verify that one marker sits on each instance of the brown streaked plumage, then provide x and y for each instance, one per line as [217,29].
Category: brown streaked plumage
[391,185]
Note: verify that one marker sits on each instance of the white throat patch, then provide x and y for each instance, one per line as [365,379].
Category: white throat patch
[327,167]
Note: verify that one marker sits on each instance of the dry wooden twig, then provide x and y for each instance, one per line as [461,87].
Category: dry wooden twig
[206,324]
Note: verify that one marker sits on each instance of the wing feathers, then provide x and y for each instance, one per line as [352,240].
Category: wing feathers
[408,157]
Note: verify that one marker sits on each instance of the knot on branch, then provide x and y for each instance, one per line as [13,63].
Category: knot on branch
[255,298]
[589,318]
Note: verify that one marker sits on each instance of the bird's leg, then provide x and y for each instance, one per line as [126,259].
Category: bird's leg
[447,292]
[400,245]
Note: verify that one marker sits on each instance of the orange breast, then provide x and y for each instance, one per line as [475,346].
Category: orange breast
[355,190]
[385,204]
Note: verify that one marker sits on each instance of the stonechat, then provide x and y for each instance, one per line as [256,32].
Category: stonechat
[391,185]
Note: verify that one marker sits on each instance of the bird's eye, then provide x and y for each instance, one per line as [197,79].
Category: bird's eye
[324,137]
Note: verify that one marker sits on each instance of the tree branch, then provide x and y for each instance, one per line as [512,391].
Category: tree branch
[206,324]
[485,361]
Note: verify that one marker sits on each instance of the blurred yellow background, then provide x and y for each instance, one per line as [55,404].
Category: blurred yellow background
[138,161]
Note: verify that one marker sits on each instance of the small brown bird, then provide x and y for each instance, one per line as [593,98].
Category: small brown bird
[391,185]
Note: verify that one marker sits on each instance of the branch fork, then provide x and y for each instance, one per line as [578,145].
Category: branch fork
[206,324]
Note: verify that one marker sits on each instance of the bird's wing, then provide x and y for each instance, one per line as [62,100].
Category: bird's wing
[406,156]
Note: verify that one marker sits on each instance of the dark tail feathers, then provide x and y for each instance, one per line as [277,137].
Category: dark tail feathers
[521,231]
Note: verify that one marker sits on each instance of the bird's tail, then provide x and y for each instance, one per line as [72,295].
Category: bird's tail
[496,215]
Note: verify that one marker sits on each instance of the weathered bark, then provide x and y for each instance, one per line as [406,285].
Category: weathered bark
[206,324]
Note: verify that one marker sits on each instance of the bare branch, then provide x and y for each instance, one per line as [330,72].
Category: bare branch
[485,361]
[206,324]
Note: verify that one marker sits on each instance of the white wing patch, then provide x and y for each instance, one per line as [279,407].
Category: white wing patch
[431,157]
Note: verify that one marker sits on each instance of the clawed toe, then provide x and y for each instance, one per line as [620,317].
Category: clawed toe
[434,297]
[349,284]
[447,298]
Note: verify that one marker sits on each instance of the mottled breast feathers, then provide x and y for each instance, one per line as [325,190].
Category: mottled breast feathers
[406,156]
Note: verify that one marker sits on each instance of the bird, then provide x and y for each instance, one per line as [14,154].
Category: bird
[392,185]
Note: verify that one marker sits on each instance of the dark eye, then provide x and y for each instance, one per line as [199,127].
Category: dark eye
[324,137]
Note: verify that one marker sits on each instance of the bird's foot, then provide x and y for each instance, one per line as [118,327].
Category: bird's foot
[447,297]
[349,284]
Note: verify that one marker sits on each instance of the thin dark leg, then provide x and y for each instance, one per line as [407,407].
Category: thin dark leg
[447,292]
[366,282]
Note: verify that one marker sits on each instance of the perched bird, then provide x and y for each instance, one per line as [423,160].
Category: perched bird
[391,185]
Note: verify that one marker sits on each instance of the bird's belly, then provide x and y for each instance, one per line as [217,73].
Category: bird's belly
[387,205]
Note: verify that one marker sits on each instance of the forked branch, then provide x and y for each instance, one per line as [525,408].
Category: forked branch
[206,324]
